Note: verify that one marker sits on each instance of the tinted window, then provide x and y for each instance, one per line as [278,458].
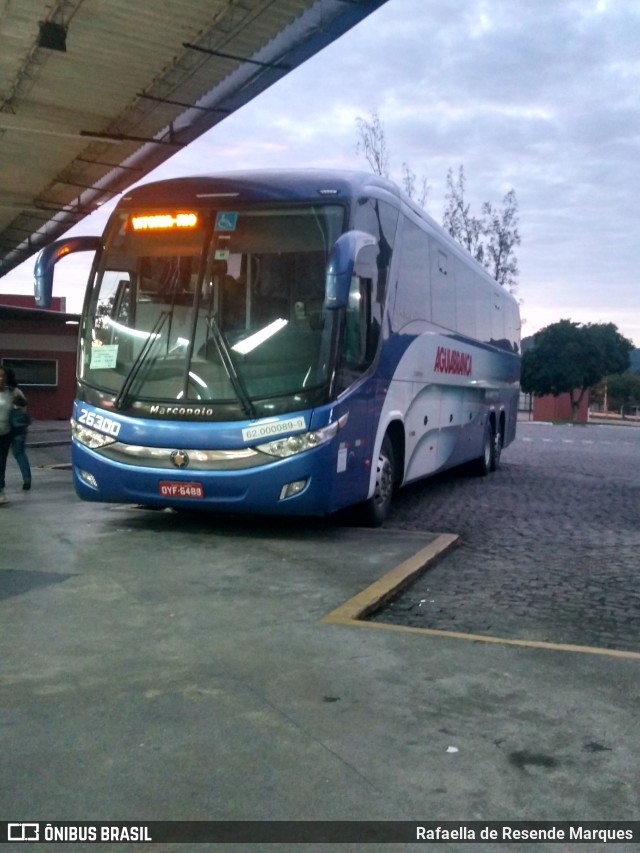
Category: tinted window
[413,292]
[443,289]
[379,219]
[484,307]
[466,289]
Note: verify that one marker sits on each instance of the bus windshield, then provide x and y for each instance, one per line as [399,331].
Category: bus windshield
[215,306]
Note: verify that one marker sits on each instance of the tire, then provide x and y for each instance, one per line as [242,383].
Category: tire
[483,465]
[374,511]
[497,449]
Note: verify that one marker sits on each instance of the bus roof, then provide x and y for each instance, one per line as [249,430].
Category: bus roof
[278,185]
[263,185]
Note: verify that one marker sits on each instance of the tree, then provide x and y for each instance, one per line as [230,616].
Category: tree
[409,181]
[624,391]
[621,391]
[457,220]
[373,144]
[491,239]
[501,230]
[570,358]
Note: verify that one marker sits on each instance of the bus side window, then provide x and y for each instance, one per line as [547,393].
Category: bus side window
[497,320]
[443,290]
[484,307]
[380,219]
[413,290]
[466,297]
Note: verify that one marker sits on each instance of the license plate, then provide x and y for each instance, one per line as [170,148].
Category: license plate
[176,489]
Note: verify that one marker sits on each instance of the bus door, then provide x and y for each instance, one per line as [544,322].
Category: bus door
[422,430]
[356,379]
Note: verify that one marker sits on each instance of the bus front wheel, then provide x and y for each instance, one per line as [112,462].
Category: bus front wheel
[376,508]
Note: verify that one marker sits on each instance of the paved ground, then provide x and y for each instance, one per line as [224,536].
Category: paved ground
[550,544]
[161,667]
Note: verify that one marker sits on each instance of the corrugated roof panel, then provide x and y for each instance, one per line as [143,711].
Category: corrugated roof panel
[116,50]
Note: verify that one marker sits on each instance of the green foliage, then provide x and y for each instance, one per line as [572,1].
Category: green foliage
[568,357]
[622,391]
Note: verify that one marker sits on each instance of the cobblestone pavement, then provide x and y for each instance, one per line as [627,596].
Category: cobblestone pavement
[550,542]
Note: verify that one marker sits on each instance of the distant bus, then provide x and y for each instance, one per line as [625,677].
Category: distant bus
[283,342]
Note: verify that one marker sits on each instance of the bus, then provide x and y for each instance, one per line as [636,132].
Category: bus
[283,342]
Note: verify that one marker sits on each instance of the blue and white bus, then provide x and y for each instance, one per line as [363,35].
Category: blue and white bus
[284,342]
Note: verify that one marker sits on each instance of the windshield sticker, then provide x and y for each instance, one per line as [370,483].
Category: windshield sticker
[222,249]
[104,357]
[273,429]
[226,220]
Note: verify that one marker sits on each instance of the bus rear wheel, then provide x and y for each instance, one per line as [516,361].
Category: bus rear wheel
[497,448]
[375,510]
[484,464]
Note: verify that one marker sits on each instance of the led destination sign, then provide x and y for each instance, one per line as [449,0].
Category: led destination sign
[164,221]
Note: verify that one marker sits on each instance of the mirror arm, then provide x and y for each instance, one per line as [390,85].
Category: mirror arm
[49,257]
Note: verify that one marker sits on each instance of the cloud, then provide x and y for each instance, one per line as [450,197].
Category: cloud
[538,95]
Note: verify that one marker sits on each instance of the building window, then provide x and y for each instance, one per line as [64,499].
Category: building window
[34,372]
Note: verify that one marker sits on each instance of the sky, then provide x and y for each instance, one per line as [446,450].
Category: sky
[538,96]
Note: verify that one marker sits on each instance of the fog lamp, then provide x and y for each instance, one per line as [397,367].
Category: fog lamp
[292,489]
[88,478]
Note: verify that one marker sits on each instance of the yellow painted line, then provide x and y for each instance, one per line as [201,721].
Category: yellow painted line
[483,638]
[354,611]
[389,585]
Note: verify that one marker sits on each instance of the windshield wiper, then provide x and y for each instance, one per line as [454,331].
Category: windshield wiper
[229,365]
[154,335]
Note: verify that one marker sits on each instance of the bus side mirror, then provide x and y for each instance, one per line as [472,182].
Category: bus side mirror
[49,257]
[357,322]
[341,264]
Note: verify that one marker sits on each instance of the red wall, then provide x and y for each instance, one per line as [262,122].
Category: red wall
[23,300]
[559,408]
[48,404]
[43,338]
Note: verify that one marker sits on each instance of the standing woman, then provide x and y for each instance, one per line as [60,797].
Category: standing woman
[10,397]
[6,404]
[19,433]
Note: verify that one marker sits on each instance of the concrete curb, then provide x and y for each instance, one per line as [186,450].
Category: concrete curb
[374,596]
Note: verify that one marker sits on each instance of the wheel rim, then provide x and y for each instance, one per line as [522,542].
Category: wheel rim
[497,445]
[384,481]
[488,447]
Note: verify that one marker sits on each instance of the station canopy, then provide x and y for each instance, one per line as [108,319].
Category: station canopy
[94,94]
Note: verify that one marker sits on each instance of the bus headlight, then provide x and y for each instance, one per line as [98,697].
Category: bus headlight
[293,444]
[90,437]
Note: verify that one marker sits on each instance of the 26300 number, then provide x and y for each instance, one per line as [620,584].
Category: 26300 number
[99,422]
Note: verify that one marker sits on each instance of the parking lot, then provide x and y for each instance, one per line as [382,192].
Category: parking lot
[550,548]
[158,666]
